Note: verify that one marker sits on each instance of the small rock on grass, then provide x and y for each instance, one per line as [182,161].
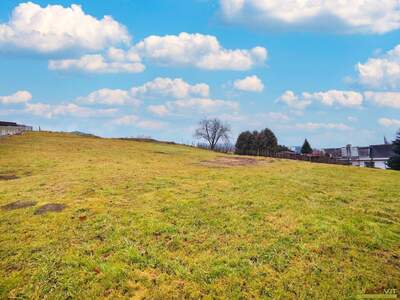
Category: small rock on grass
[50,207]
[19,204]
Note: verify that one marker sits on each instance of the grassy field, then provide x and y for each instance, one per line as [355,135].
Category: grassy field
[156,221]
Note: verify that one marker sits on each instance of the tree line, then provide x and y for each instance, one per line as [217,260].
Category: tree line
[214,131]
[258,142]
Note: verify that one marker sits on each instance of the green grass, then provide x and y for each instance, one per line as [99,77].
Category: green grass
[149,221]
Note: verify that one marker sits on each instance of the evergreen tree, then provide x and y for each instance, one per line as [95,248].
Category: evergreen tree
[267,141]
[306,149]
[282,148]
[394,162]
[244,144]
[256,143]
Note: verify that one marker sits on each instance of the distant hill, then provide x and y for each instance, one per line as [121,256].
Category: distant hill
[83,134]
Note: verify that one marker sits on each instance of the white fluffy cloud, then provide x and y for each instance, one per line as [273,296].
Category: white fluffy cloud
[56,28]
[249,84]
[159,88]
[126,120]
[16,98]
[204,105]
[68,109]
[294,101]
[335,97]
[115,61]
[109,97]
[387,99]
[136,121]
[168,87]
[316,126]
[159,110]
[381,72]
[362,16]
[255,120]
[193,106]
[198,50]
[389,122]
[328,98]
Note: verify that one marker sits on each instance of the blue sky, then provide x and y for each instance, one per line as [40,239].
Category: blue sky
[328,72]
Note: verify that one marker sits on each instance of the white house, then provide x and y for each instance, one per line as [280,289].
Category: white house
[374,156]
[11,128]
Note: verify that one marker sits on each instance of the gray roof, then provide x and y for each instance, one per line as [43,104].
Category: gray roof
[2,123]
[381,151]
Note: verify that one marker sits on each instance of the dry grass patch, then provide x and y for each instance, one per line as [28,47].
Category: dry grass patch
[231,162]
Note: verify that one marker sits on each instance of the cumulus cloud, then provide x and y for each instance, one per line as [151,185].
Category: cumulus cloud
[358,16]
[294,101]
[56,28]
[16,98]
[126,120]
[151,124]
[68,109]
[386,99]
[381,72]
[335,97]
[328,98]
[183,50]
[193,105]
[109,97]
[204,105]
[276,116]
[197,50]
[136,121]
[389,122]
[249,84]
[159,88]
[159,110]
[257,119]
[168,87]
[315,126]
[115,61]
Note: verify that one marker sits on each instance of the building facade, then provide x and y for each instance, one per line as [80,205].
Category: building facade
[11,128]
[374,156]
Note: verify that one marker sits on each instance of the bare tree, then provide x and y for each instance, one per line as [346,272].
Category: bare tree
[213,131]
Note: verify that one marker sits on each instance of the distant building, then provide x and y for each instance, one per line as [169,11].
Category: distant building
[295,149]
[380,154]
[11,128]
[374,156]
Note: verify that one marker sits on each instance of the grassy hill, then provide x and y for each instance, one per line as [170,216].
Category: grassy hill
[140,220]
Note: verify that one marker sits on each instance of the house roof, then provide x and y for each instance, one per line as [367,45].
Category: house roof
[381,151]
[2,123]
[335,152]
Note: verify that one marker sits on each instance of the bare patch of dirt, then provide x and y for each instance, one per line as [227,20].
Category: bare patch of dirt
[51,207]
[230,162]
[18,205]
[8,177]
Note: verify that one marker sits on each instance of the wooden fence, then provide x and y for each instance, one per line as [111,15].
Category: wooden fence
[230,149]
[296,156]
